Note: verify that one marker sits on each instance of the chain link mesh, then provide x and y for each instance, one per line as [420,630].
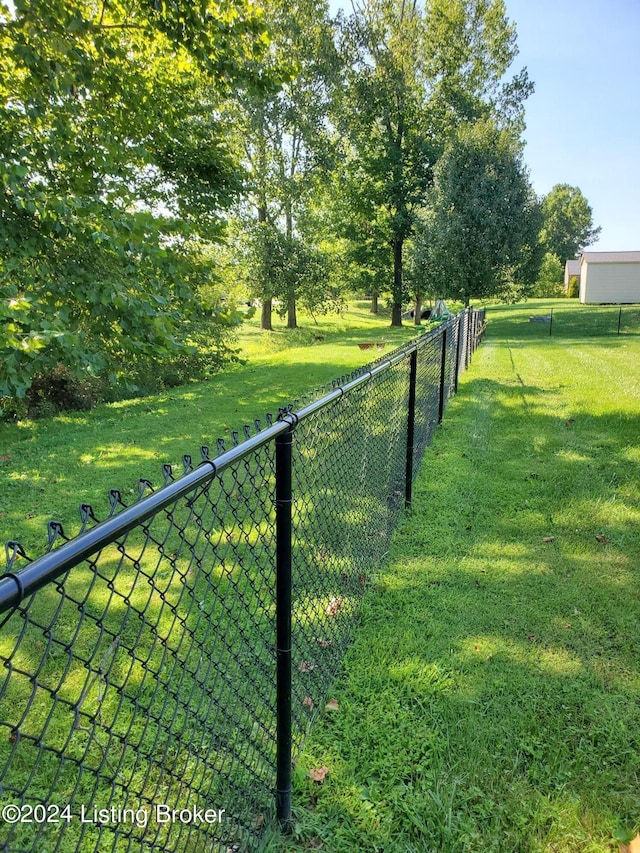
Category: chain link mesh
[569,320]
[139,697]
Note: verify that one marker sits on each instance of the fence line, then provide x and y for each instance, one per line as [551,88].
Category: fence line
[573,320]
[164,666]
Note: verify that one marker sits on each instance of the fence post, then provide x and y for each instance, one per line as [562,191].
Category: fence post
[458,353]
[443,371]
[411,419]
[619,319]
[284,498]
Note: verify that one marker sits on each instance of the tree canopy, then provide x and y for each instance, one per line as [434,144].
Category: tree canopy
[137,136]
[568,222]
[413,74]
[479,233]
[113,174]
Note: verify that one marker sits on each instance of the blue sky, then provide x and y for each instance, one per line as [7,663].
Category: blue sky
[583,121]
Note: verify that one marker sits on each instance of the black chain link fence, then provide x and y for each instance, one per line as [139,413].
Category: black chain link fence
[586,321]
[163,667]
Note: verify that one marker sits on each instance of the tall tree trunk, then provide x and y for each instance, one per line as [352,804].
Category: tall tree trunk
[267,303]
[292,319]
[396,307]
[292,315]
[265,315]
[417,311]
[374,303]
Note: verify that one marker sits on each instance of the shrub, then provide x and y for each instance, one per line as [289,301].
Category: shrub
[573,291]
[549,283]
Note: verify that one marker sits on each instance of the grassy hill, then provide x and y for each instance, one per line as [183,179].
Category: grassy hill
[49,466]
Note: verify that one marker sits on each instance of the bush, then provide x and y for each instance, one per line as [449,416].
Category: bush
[55,391]
[60,389]
[549,284]
[573,291]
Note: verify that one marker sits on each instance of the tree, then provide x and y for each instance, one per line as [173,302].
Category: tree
[347,215]
[568,222]
[550,279]
[480,233]
[294,269]
[413,75]
[108,152]
[422,280]
[284,136]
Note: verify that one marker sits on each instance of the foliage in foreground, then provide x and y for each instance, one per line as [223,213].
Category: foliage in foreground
[113,174]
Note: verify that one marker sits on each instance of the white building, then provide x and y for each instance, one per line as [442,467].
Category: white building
[571,268]
[610,277]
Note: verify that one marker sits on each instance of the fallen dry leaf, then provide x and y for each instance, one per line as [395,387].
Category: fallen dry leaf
[308,701]
[602,539]
[332,705]
[333,606]
[548,538]
[324,644]
[307,666]
[5,457]
[632,847]
[258,822]
[318,774]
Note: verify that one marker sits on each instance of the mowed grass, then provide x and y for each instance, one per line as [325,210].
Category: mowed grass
[491,701]
[49,467]
[168,672]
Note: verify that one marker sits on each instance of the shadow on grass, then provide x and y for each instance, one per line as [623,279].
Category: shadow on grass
[151,667]
[492,697]
[50,462]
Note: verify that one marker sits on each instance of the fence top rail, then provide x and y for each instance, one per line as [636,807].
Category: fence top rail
[16,586]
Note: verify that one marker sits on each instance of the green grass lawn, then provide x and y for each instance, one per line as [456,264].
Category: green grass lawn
[491,701]
[48,467]
[149,672]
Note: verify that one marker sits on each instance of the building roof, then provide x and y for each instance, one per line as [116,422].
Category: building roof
[573,267]
[610,257]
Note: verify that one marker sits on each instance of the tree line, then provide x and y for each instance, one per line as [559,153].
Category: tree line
[165,162]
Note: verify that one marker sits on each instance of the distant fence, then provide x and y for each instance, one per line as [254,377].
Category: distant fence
[163,667]
[573,320]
